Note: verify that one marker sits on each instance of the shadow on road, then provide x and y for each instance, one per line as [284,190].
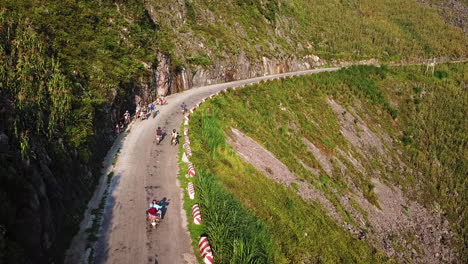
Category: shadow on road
[155,113]
[164,203]
[101,248]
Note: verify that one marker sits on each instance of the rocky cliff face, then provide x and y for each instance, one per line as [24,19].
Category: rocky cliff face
[237,68]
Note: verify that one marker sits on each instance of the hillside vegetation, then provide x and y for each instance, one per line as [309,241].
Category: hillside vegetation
[333,30]
[413,123]
[65,66]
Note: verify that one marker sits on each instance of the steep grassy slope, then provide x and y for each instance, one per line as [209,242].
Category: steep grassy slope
[344,30]
[373,127]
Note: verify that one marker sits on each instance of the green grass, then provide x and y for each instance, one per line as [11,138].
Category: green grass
[292,222]
[435,123]
[236,236]
[352,30]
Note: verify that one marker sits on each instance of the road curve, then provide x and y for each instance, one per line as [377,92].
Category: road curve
[143,171]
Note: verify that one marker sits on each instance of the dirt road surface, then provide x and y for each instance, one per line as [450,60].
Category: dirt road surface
[144,171]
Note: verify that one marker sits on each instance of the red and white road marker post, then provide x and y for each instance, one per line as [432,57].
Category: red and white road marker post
[188,150]
[191,170]
[191,191]
[196,214]
[205,250]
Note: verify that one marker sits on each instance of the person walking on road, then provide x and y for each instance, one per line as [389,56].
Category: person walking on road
[184,108]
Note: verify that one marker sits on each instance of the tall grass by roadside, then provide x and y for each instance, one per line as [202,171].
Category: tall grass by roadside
[236,235]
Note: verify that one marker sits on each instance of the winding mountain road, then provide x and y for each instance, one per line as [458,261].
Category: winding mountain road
[144,170]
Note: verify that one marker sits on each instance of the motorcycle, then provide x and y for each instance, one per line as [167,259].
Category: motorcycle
[158,139]
[174,141]
[127,119]
[154,219]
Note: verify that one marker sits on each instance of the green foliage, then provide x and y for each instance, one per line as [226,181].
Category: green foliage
[363,79]
[62,64]
[236,236]
[191,16]
[202,60]
[340,30]
[407,138]
[292,223]
[434,132]
[441,74]
[213,133]
[62,61]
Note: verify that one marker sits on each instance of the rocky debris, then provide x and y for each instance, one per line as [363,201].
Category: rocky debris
[313,170]
[404,223]
[398,222]
[401,228]
[320,156]
[355,130]
[271,167]
[453,12]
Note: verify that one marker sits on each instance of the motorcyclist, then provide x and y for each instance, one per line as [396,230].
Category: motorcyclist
[153,210]
[155,204]
[159,134]
[175,136]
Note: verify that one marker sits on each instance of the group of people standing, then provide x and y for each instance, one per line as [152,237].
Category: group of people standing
[143,111]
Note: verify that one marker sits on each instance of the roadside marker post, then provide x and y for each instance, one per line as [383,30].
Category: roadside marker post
[205,250]
[196,214]
[191,190]
[191,170]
